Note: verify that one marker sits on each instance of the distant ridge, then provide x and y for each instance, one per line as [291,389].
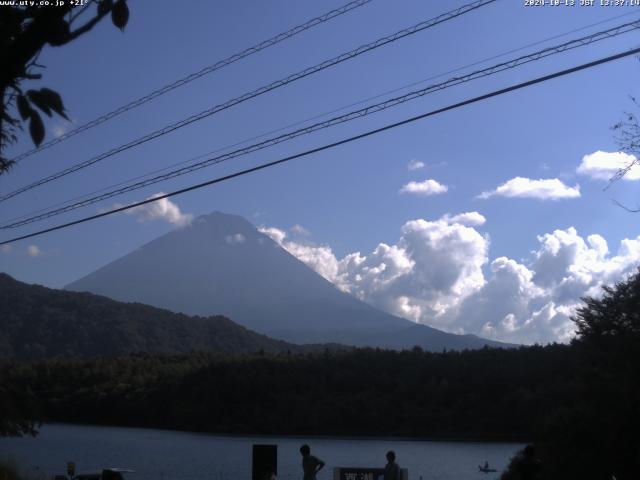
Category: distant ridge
[221,264]
[38,322]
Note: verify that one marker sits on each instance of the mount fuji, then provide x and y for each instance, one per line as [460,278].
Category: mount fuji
[220,264]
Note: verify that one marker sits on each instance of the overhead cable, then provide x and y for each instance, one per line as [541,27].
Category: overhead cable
[368,110]
[369,133]
[255,93]
[317,116]
[195,75]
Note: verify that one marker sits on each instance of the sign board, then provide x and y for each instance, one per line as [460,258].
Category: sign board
[264,462]
[363,473]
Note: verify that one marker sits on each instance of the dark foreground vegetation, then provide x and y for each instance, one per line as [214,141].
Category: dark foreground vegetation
[37,323]
[579,403]
[475,394]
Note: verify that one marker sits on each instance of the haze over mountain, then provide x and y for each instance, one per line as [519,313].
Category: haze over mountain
[221,264]
[38,322]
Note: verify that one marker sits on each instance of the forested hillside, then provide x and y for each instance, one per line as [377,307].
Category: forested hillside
[571,403]
[475,394]
[579,403]
[38,322]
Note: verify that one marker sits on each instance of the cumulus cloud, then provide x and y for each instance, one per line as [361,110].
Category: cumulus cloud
[276,234]
[424,188]
[300,230]
[235,238]
[428,271]
[433,274]
[33,251]
[604,165]
[470,219]
[542,189]
[162,209]
[415,165]
[534,302]
[319,257]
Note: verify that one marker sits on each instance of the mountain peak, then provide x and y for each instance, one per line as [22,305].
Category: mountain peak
[216,228]
[218,216]
[221,264]
[222,220]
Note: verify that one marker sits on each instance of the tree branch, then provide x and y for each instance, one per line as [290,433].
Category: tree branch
[85,28]
[72,18]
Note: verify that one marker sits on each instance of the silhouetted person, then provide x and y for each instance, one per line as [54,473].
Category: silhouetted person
[310,465]
[529,465]
[392,469]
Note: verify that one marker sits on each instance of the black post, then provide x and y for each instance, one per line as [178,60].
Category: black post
[265,462]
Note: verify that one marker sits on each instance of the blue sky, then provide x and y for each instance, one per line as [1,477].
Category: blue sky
[351,199]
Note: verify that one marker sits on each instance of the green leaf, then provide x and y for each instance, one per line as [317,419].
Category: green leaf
[54,101]
[24,108]
[105,7]
[120,14]
[37,98]
[36,128]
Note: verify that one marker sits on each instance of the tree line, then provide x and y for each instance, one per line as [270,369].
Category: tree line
[579,403]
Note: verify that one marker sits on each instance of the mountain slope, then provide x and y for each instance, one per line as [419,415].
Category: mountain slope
[221,264]
[38,322]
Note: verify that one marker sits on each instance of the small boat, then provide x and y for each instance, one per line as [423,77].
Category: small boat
[486,468]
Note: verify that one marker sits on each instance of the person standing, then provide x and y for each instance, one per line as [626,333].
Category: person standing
[310,465]
[392,469]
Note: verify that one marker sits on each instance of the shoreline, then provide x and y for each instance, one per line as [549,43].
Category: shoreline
[453,439]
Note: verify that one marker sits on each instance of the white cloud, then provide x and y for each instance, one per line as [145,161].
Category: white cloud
[300,230]
[6,248]
[425,188]
[604,165]
[427,272]
[319,258]
[470,219]
[276,234]
[33,251]
[534,302]
[542,189]
[415,165]
[433,274]
[432,267]
[163,209]
[235,238]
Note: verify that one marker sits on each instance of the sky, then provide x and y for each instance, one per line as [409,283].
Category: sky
[492,219]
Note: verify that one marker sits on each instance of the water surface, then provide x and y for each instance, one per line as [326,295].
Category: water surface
[169,455]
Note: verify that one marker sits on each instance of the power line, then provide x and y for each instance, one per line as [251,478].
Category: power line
[369,133]
[321,115]
[336,120]
[368,110]
[267,88]
[194,76]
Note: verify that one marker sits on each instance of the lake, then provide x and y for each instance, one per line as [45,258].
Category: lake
[169,455]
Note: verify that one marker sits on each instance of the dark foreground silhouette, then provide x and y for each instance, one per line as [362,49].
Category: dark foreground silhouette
[579,403]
